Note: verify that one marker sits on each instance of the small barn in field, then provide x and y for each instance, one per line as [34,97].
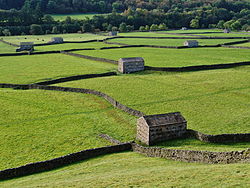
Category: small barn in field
[26,46]
[56,40]
[191,43]
[161,127]
[113,33]
[129,65]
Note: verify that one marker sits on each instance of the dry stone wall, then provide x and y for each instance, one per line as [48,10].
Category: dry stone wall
[194,156]
[62,161]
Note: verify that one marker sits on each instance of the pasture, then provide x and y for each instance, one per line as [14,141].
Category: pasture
[38,125]
[170,42]
[159,57]
[131,169]
[38,68]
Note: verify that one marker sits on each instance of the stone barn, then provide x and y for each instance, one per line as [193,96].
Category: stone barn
[191,43]
[57,40]
[226,31]
[113,33]
[128,65]
[157,128]
[26,46]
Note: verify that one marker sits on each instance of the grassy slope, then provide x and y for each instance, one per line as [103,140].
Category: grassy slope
[37,39]
[213,102]
[226,35]
[134,170]
[5,48]
[37,125]
[170,42]
[62,17]
[148,34]
[245,44]
[175,57]
[66,46]
[31,69]
[191,31]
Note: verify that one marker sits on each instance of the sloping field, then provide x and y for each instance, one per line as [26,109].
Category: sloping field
[37,68]
[175,57]
[39,125]
[5,48]
[62,17]
[170,42]
[38,39]
[134,170]
[68,46]
[213,102]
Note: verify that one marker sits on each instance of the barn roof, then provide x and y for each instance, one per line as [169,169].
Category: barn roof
[164,119]
[131,59]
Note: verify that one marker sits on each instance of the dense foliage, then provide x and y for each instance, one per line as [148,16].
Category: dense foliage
[126,15]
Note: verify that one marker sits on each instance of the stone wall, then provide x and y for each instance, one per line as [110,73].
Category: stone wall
[197,68]
[221,138]
[91,58]
[111,100]
[194,156]
[78,77]
[62,161]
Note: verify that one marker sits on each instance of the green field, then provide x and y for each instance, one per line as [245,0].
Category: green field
[5,48]
[68,46]
[191,31]
[134,170]
[175,57]
[37,68]
[226,35]
[213,102]
[38,39]
[38,125]
[245,44]
[170,42]
[148,34]
[61,17]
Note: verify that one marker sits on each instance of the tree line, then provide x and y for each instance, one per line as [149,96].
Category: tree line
[141,15]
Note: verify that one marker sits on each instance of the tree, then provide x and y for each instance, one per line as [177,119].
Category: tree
[194,23]
[147,28]
[142,28]
[87,28]
[109,28]
[36,29]
[236,26]
[162,26]
[6,32]
[220,24]
[54,30]
[154,27]
[48,19]
[123,27]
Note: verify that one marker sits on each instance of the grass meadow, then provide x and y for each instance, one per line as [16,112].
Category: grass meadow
[175,57]
[213,102]
[134,170]
[38,125]
[5,48]
[38,39]
[68,46]
[170,42]
[37,68]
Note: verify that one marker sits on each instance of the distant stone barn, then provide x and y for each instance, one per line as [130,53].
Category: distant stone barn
[191,43]
[56,40]
[26,46]
[113,33]
[157,128]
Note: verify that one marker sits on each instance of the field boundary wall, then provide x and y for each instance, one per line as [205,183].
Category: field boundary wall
[77,77]
[111,100]
[194,156]
[52,164]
